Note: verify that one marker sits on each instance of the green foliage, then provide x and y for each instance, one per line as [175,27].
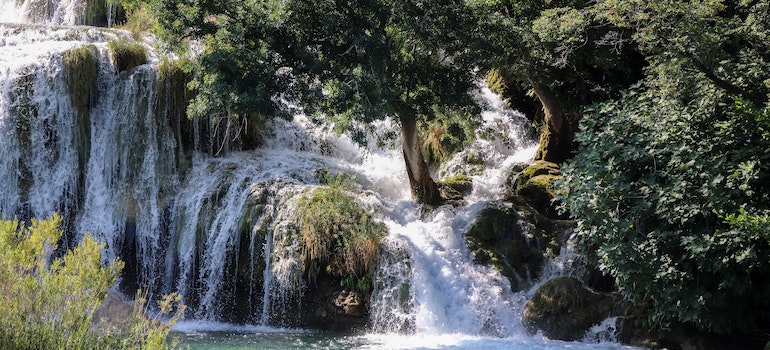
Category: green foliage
[147,332]
[339,237]
[726,42]
[242,64]
[140,20]
[127,54]
[449,130]
[559,44]
[672,184]
[49,302]
[671,198]
[377,56]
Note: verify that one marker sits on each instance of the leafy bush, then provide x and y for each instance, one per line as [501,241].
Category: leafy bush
[338,235]
[49,303]
[672,200]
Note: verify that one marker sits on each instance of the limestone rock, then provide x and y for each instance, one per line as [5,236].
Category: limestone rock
[515,239]
[564,309]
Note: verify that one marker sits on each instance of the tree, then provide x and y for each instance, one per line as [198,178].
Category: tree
[354,61]
[367,60]
[239,61]
[671,184]
[563,55]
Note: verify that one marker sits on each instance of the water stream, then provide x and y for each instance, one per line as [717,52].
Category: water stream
[220,230]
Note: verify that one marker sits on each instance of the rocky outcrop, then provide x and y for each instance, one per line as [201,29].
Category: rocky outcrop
[515,239]
[329,307]
[563,308]
[536,184]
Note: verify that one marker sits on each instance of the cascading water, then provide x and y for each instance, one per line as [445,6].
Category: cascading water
[108,152]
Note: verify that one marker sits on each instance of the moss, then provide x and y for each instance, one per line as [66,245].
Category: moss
[513,241]
[80,72]
[127,54]
[454,188]
[173,97]
[461,183]
[536,183]
[497,83]
[339,238]
[564,309]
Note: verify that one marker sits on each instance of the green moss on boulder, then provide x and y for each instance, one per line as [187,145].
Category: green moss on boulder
[564,309]
[515,239]
[454,188]
[536,183]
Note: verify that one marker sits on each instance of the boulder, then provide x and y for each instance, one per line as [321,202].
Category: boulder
[457,185]
[514,238]
[334,308]
[563,308]
[536,183]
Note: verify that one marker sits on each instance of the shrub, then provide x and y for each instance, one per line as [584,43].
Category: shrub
[672,200]
[49,302]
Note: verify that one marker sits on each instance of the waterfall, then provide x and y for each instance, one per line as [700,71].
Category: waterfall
[110,153]
[61,12]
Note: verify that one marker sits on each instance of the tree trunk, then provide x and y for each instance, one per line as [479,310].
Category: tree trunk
[424,189]
[556,140]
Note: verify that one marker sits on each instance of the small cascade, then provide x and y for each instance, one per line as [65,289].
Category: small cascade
[428,282]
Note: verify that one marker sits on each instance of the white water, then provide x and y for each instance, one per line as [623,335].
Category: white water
[188,227]
[63,12]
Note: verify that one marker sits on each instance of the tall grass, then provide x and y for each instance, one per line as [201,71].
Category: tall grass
[339,237]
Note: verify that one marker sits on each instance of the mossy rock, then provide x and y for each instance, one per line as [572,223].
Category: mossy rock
[127,54]
[564,309]
[460,183]
[537,184]
[513,238]
[540,191]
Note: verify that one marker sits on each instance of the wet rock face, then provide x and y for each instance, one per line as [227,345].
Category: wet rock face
[350,302]
[515,239]
[327,306]
[564,309]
